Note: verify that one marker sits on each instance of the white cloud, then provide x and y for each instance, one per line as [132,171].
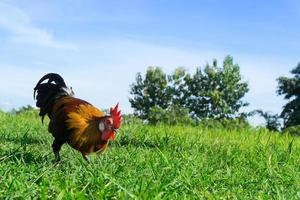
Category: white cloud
[23,30]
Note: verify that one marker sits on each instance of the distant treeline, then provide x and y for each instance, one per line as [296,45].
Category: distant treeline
[212,96]
[213,92]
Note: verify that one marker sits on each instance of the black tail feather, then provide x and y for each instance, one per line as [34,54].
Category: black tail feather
[48,92]
[58,80]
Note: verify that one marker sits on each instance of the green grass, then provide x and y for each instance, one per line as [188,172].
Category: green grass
[150,162]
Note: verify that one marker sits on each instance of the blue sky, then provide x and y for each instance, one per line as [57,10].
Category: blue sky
[99,46]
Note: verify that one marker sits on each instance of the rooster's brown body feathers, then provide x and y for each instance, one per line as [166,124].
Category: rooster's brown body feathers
[72,120]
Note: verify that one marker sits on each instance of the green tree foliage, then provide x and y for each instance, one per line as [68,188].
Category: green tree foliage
[290,88]
[178,87]
[216,92]
[149,92]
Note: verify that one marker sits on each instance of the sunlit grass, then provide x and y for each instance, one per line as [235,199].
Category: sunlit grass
[150,162]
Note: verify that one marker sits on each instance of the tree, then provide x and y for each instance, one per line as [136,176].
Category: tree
[178,88]
[216,92]
[290,88]
[149,92]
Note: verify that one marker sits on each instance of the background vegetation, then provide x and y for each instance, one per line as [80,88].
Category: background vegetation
[150,162]
[212,93]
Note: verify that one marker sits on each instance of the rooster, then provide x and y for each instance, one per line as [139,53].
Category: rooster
[72,120]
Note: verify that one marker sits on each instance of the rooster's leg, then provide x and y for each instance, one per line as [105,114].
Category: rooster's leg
[86,158]
[56,146]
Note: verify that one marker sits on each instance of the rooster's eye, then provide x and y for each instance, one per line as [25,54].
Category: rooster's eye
[101,126]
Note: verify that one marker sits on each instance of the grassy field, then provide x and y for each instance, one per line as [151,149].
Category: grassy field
[150,162]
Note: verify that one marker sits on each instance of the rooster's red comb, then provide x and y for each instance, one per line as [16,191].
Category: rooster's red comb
[115,113]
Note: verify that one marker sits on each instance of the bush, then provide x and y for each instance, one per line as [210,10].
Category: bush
[293,130]
[233,124]
[229,124]
[210,124]
[171,116]
[25,110]
[131,119]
